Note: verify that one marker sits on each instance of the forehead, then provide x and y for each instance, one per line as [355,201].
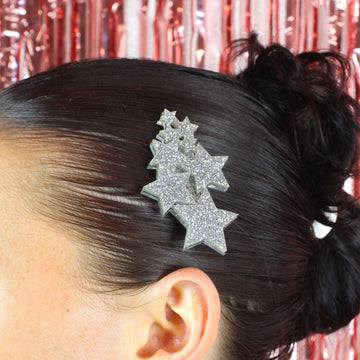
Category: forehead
[14,175]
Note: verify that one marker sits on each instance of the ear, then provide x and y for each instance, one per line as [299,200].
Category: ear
[185,308]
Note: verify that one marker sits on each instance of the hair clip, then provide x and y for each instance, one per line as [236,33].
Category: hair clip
[184,172]
[321,230]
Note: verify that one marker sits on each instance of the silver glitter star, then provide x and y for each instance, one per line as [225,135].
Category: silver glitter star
[207,170]
[169,156]
[167,119]
[180,130]
[204,223]
[168,189]
[167,135]
[188,140]
[187,128]
[188,145]
[155,146]
[184,170]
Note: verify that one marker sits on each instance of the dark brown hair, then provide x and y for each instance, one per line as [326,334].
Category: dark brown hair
[290,132]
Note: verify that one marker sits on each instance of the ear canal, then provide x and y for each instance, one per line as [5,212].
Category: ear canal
[171,339]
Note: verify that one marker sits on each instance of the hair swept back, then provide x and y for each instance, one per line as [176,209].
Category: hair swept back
[290,132]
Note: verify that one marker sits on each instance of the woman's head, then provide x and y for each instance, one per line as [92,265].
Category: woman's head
[79,136]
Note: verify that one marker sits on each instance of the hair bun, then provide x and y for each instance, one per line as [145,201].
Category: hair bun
[318,119]
[307,94]
[335,278]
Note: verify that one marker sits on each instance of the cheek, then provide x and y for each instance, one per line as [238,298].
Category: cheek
[5,304]
[43,312]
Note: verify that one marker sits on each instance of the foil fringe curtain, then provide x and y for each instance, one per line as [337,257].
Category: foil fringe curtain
[39,34]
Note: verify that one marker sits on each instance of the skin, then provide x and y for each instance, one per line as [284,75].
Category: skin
[47,313]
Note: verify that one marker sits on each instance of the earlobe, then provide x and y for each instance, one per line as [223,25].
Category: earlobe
[186,311]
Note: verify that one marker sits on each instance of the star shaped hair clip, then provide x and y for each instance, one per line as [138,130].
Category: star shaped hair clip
[184,172]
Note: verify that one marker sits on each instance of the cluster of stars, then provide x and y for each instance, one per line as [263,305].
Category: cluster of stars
[184,172]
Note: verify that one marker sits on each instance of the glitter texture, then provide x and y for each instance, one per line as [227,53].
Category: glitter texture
[207,170]
[169,189]
[184,171]
[204,222]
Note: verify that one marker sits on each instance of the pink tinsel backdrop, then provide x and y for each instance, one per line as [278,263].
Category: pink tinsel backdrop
[39,34]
